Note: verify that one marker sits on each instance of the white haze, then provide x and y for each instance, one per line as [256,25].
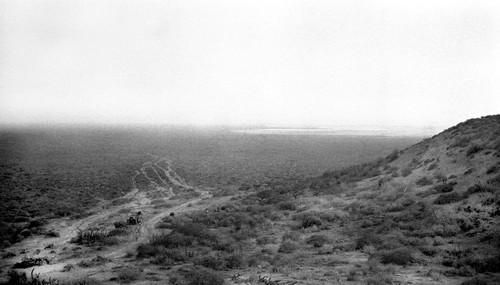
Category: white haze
[424,64]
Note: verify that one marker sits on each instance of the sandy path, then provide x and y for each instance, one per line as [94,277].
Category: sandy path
[105,213]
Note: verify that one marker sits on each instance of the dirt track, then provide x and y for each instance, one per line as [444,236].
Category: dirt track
[104,214]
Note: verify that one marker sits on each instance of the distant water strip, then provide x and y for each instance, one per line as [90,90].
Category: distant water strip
[393,132]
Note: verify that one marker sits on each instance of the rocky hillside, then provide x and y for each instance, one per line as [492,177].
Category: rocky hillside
[466,154]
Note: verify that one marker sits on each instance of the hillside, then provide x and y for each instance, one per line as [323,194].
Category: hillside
[427,214]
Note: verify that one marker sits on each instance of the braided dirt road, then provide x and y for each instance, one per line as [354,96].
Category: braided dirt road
[105,213]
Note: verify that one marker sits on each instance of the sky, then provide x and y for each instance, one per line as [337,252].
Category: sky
[268,63]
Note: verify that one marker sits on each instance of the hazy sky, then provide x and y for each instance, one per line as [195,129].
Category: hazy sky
[300,63]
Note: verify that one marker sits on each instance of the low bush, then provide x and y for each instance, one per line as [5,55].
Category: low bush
[406,171]
[433,166]
[475,281]
[265,240]
[318,240]
[235,261]
[448,198]
[443,188]
[171,240]
[308,219]
[128,275]
[96,261]
[480,263]
[287,206]
[20,278]
[294,236]
[90,236]
[288,247]
[493,169]
[478,188]
[203,276]
[212,262]
[400,256]
[473,149]
[368,238]
[424,181]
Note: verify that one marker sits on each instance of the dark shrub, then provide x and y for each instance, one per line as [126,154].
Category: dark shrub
[235,261]
[473,149]
[172,240]
[400,256]
[423,181]
[212,262]
[163,260]
[448,198]
[203,276]
[368,239]
[475,281]
[52,233]
[146,250]
[443,188]
[432,166]
[288,247]
[290,206]
[318,240]
[493,169]
[96,261]
[494,182]
[308,219]
[393,156]
[406,171]
[128,275]
[265,240]
[480,264]
[295,236]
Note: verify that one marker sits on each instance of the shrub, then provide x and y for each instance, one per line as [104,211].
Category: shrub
[473,149]
[290,206]
[448,198]
[203,276]
[480,264]
[84,281]
[295,236]
[90,236]
[288,247]
[393,156]
[478,188]
[423,181]
[475,281]
[379,279]
[128,275]
[52,233]
[493,169]
[235,261]
[171,240]
[20,278]
[163,260]
[439,176]
[406,171]
[432,166]
[368,238]
[443,188]
[265,240]
[400,256]
[67,268]
[318,240]
[96,261]
[308,219]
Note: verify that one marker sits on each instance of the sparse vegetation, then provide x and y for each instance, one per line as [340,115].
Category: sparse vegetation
[273,223]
